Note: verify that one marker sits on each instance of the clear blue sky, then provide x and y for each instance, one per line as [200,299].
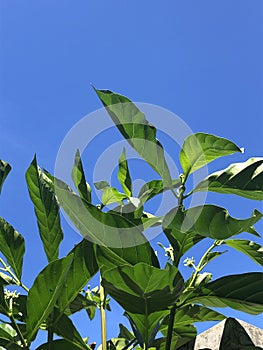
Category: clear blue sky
[203,60]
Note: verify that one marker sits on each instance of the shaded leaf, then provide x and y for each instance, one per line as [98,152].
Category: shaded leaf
[12,246]
[143,289]
[140,134]
[46,209]
[155,187]
[124,174]
[125,333]
[250,248]
[84,266]
[65,328]
[7,332]
[200,149]
[60,344]
[234,336]
[242,179]
[79,179]
[241,292]
[45,292]
[181,335]
[5,168]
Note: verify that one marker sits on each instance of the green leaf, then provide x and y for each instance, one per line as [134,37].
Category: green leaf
[143,289]
[125,333]
[241,292]
[65,328]
[242,179]
[180,241]
[234,336]
[116,344]
[155,187]
[7,332]
[12,246]
[80,303]
[46,209]
[45,292]
[60,344]
[112,195]
[5,168]
[211,221]
[200,149]
[180,336]
[84,266]
[79,179]
[250,248]
[119,238]
[124,174]
[140,134]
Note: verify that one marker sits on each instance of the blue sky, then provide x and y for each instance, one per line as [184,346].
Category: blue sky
[200,59]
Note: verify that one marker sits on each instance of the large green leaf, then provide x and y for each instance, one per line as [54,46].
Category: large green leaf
[45,292]
[154,187]
[140,134]
[143,289]
[116,236]
[211,221]
[79,179]
[180,241]
[181,335]
[12,246]
[59,344]
[84,266]
[124,174]
[250,248]
[46,209]
[241,292]
[65,328]
[242,179]
[200,149]
[5,168]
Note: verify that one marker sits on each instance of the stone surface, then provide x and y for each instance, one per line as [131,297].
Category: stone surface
[210,339]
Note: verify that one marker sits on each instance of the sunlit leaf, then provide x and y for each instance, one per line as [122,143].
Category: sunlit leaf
[46,209]
[79,179]
[242,179]
[250,248]
[143,289]
[155,187]
[45,292]
[241,292]
[124,174]
[210,221]
[200,149]
[5,168]
[12,246]
[140,134]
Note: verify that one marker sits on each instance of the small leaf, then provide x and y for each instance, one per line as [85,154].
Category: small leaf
[155,187]
[79,179]
[242,179]
[46,209]
[211,221]
[194,313]
[140,134]
[200,149]
[125,333]
[112,195]
[142,288]
[241,292]
[45,292]
[65,328]
[12,246]
[124,174]
[5,168]
[250,248]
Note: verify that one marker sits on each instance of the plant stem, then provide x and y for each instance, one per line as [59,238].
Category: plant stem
[15,278]
[170,329]
[14,324]
[103,318]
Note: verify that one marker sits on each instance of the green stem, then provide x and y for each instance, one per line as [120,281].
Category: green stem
[170,329]
[14,324]
[15,278]
[202,264]
[103,318]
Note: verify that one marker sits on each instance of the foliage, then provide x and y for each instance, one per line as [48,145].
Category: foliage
[160,305]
